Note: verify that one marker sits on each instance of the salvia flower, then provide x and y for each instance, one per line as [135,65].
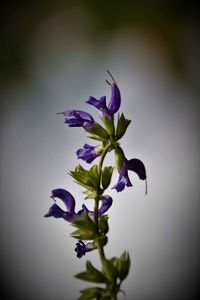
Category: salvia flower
[69,201]
[88,153]
[113,105]
[70,215]
[78,118]
[82,248]
[123,166]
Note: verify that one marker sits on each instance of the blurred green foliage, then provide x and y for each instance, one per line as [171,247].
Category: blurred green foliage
[20,19]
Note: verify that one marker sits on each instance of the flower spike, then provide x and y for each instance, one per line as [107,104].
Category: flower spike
[92,226]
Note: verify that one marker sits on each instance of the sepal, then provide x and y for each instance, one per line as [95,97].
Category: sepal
[109,270]
[98,132]
[119,158]
[123,265]
[91,293]
[103,224]
[109,124]
[122,125]
[106,176]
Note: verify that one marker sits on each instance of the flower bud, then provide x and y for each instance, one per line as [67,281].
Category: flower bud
[115,100]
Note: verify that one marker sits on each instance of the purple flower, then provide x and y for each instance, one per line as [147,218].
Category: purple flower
[135,165]
[89,153]
[70,215]
[113,105]
[69,201]
[82,248]
[78,118]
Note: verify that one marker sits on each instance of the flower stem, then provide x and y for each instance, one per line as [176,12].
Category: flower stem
[97,198]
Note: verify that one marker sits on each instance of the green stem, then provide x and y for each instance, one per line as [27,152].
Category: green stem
[105,151]
[97,198]
[100,246]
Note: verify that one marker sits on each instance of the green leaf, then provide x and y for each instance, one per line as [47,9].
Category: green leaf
[123,265]
[106,176]
[87,276]
[86,228]
[81,177]
[122,125]
[98,131]
[94,175]
[96,138]
[91,293]
[91,274]
[85,222]
[90,194]
[87,178]
[103,224]
[83,234]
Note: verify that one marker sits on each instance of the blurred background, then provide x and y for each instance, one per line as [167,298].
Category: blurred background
[53,56]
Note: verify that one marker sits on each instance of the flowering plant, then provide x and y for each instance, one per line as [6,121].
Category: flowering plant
[92,226]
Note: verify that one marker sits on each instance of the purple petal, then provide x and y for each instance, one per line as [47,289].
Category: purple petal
[78,118]
[55,211]
[138,167]
[106,204]
[99,104]
[123,180]
[82,248]
[74,122]
[84,115]
[66,197]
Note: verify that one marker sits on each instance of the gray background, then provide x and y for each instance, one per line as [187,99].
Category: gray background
[65,63]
